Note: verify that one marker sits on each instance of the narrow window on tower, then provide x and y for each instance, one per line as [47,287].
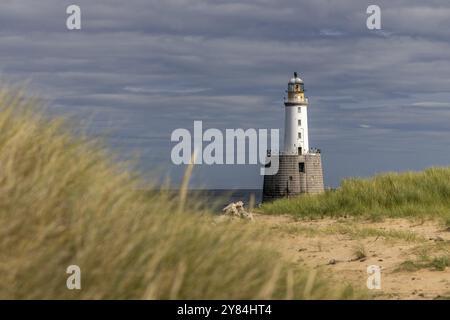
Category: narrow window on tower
[299,122]
[299,135]
[299,110]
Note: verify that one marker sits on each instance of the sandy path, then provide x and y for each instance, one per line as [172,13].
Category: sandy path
[333,245]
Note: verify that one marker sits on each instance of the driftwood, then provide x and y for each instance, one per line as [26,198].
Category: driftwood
[236,211]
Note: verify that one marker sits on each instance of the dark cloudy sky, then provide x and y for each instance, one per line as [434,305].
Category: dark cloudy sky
[138,69]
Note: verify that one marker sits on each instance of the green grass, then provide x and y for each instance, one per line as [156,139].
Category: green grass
[365,232]
[64,200]
[434,256]
[350,229]
[409,194]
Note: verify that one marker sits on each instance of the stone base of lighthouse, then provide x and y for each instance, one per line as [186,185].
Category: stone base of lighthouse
[297,174]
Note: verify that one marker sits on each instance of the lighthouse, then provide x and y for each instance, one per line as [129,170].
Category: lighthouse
[300,168]
[296,140]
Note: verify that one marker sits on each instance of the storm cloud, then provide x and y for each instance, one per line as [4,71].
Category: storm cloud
[138,69]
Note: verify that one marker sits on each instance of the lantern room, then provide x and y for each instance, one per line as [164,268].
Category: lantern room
[296,90]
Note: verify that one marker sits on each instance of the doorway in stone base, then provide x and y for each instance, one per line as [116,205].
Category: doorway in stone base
[301,167]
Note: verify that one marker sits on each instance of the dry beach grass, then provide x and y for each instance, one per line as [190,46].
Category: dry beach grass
[64,200]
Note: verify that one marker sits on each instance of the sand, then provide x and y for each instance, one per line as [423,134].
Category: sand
[333,245]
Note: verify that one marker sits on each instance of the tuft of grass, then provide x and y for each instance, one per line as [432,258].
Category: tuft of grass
[447,223]
[409,266]
[408,194]
[439,263]
[65,201]
[360,252]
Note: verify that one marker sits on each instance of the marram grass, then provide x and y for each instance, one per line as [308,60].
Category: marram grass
[63,202]
[409,194]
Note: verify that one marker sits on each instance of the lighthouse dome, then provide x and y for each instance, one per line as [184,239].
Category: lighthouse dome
[295,79]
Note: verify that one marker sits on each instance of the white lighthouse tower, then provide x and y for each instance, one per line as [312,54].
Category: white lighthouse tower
[299,168]
[296,118]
